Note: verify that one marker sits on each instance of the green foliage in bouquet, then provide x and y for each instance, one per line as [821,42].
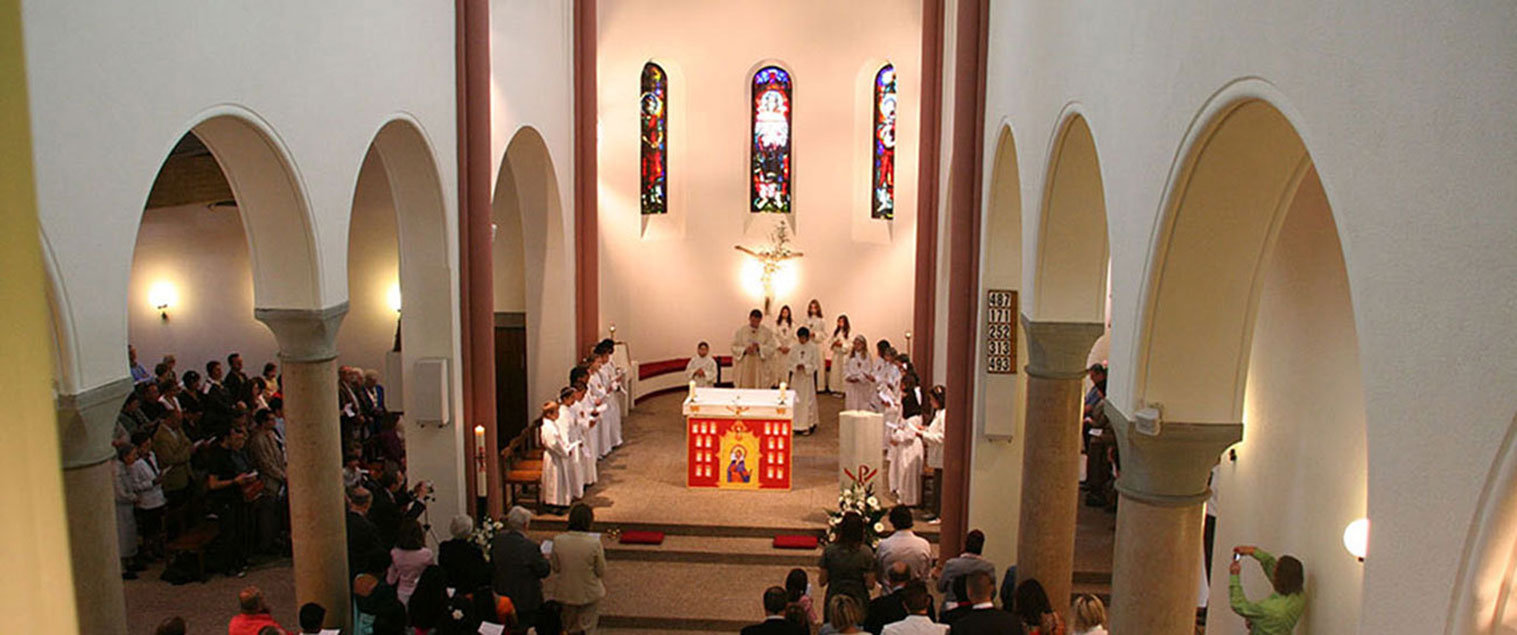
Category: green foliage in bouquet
[859,497]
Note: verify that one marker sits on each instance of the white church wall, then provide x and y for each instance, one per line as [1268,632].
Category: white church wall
[202,255]
[668,282]
[1299,478]
[1400,105]
[532,90]
[368,330]
[108,103]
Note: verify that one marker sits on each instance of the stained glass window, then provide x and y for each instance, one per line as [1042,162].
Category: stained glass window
[883,190]
[655,165]
[770,190]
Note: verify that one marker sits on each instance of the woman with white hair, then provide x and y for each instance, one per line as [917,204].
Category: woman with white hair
[463,560]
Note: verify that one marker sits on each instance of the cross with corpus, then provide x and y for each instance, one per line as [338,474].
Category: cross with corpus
[770,257]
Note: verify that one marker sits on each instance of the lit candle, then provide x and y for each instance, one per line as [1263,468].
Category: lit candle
[692,386]
[481,484]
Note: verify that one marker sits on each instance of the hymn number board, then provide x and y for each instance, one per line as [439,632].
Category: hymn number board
[1000,332]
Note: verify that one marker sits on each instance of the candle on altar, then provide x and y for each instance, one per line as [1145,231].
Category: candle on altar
[481,485]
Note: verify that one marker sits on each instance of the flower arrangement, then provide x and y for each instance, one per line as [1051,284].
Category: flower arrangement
[859,497]
[484,533]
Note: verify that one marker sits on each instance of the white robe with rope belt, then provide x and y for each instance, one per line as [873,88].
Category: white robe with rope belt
[906,467]
[558,464]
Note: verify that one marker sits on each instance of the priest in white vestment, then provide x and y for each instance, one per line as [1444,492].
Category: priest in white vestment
[858,376]
[752,346]
[702,367]
[558,457]
[805,357]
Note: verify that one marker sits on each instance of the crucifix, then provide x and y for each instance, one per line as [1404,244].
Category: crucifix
[771,256]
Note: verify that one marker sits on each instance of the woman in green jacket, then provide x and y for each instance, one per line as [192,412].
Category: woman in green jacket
[1278,613]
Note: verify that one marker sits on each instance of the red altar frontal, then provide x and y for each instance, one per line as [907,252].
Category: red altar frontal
[738,439]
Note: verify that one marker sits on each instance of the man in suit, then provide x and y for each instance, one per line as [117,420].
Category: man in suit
[236,381]
[774,616]
[891,607]
[363,537]
[983,617]
[918,622]
[519,566]
[966,563]
[393,503]
[220,407]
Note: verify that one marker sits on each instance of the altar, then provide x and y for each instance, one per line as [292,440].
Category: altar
[738,438]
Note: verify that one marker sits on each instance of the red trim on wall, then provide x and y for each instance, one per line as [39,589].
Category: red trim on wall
[586,209]
[663,367]
[924,309]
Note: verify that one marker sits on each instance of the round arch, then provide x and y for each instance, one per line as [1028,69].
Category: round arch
[1069,278]
[1248,318]
[533,273]
[273,206]
[1483,598]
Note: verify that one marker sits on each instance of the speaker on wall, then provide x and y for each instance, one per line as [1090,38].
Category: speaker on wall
[430,393]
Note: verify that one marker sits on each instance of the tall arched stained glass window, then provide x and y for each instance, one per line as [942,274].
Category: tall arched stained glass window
[655,127]
[883,190]
[770,189]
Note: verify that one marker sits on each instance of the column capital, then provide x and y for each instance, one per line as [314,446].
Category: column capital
[1169,469]
[304,335]
[86,423]
[1058,350]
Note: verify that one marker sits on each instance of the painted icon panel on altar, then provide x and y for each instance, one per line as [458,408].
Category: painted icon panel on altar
[738,454]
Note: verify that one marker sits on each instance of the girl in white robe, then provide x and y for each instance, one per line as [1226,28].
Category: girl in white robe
[932,437]
[702,368]
[784,341]
[804,359]
[887,376]
[605,411]
[818,326]
[892,421]
[611,382]
[585,424]
[858,376]
[906,467]
[558,458]
[840,345]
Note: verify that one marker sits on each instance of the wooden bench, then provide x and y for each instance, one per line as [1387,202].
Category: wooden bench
[521,467]
[194,542]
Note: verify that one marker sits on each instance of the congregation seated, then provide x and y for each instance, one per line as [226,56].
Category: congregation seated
[890,606]
[965,563]
[461,559]
[1032,607]
[905,546]
[312,616]
[775,601]
[982,616]
[918,619]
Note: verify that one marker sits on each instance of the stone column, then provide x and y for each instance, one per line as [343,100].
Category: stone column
[86,422]
[1056,353]
[308,353]
[1159,521]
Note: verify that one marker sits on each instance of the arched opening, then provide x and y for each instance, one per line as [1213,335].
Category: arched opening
[399,264]
[533,283]
[1070,279]
[1002,396]
[1250,320]
[225,229]
[1483,601]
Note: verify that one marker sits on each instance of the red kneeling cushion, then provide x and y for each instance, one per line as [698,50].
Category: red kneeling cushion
[642,538]
[795,542]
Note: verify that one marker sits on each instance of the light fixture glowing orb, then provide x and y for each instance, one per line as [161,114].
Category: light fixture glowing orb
[782,281]
[162,295]
[392,297]
[1356,537]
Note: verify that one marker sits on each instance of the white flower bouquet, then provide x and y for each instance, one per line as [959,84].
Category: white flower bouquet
[859,497]
[484,533]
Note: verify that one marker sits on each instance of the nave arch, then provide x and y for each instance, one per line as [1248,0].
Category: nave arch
[1248,331]
[1069,275]
[1484,600]
[412,190]
[533,271]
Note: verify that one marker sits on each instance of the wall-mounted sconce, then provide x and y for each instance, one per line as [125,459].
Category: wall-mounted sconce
[613,331]
[161,296]
[392,297]
[1356,538]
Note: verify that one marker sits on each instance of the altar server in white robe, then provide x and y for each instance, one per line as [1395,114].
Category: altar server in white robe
[892,420]
[815,323]
[606,412]
[932,437]
[702,367]
[558,455]
[784,341]
[587,412]
[752,346]
[804,360]
[839,347]
[583,431]
[887,376]
[613,378]
[906,467]
[858,376]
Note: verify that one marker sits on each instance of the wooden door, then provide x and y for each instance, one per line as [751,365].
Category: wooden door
[510,376]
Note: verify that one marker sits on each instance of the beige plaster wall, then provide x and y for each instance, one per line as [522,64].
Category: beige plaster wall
[672,280]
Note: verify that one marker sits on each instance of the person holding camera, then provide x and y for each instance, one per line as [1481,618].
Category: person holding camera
[394,503]
[1278,613]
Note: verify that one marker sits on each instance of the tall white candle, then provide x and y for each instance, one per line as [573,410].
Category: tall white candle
[481,484]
